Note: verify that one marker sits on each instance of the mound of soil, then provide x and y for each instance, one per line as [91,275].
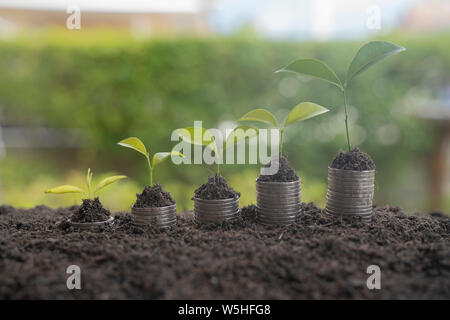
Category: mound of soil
[90,211]
[216,188]
[154,196]
[353,160]
[285,172]
[319,257]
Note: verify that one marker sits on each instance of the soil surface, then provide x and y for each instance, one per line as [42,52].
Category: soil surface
[216,188]
[318,257]
[353,160]
[154,196]
[90,211]
[285,172]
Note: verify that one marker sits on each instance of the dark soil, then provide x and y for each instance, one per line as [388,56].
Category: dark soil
[216,188]
[90,211]
[353,160]
[285,172]
[317,258]
[154,196]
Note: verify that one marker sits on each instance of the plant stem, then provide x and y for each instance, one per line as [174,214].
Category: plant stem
[218,156]
[281,140]
[151,171]
[346,118]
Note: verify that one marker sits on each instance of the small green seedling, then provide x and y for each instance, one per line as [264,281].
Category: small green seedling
[203,137]
[300,112]
[136,144]
[89,192]
[368,55]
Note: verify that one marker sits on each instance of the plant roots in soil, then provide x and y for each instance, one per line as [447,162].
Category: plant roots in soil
[353,160]
[216,188]
[154,196]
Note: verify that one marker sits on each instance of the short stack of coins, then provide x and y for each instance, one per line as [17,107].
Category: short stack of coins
[158,217]
[215,211]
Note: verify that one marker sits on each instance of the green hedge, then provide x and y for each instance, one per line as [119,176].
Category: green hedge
[147,89]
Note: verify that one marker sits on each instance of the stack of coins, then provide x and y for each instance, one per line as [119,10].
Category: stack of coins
[158,217]
[350,193]
[278,203]
[88,225]
[215,211]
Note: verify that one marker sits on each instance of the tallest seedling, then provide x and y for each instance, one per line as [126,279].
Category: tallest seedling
[368,55]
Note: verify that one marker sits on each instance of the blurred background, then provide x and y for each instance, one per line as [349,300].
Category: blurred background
[78,76]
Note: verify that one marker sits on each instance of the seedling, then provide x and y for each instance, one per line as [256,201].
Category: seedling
[89,192]
[368,55]
[159,157]
[201,136]
[300,112]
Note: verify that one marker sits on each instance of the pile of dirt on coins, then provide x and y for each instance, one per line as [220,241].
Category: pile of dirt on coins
[285,172]
[319,257]
[90,211]
[154,196]
[216,188]
[353,160]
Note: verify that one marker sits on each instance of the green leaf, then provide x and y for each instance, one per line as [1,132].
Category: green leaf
[162,156]
[313,68]
[238,134]
[260,115]
[135,144]
[64,189]
[303,111]
[369,54]
[195,135]
[107,181]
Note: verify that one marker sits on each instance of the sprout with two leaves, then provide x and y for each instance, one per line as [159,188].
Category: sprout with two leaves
[159,157]
[203,137]
[300,112]
[217,186]
[368,55]
[90,192]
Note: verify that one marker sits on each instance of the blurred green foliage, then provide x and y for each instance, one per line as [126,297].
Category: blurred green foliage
[116,87]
